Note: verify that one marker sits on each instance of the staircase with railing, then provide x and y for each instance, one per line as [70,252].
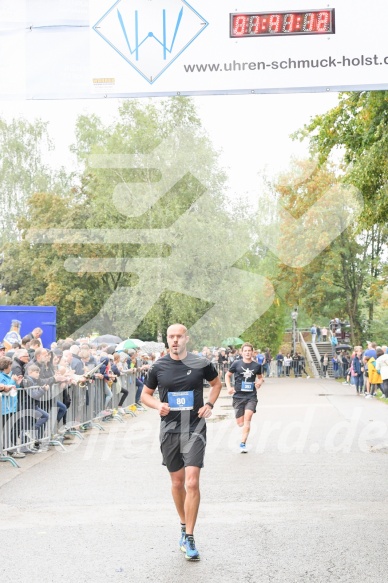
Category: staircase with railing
[316,351]
[310,355]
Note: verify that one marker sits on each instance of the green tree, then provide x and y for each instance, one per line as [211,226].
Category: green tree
[357,130]
[268,330]
[337,282]
[38,269]
[117,224]
[33,274]
[114,201]
[22,170]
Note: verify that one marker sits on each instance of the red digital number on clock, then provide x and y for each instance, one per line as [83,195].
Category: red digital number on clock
[282,23]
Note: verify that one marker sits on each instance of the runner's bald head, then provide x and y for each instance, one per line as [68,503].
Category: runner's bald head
[180,328]
[177,339]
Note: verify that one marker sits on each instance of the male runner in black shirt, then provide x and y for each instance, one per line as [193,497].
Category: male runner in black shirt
[248,377]
[179,377]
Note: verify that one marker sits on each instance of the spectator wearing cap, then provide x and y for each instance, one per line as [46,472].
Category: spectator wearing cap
[2,349]
[128,356]
[20,361]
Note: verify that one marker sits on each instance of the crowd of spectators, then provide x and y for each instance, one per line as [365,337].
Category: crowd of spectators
[35,384]
[336,329]
[282,365]
[29,372]
[366,370]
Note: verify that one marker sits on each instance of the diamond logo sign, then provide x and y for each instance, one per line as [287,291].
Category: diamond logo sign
[150,34]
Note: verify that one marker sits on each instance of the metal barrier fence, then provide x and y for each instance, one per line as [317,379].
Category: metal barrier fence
[34,418]
[31,419]
[222,369]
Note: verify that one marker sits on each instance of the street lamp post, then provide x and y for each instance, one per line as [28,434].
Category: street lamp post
[294,316]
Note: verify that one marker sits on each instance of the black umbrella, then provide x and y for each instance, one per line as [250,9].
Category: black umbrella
[107,339]
[343,347]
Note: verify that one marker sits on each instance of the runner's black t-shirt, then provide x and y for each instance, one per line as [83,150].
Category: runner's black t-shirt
[245,372]
[176,376]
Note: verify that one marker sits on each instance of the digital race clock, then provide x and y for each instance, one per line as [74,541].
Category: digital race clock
[254,24]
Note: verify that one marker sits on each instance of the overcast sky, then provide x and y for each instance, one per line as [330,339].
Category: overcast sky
[253,131]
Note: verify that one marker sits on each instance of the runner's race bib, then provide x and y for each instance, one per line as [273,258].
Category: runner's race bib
[183,401]
[247,387]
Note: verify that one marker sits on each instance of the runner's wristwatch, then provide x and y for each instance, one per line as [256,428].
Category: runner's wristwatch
[210,405]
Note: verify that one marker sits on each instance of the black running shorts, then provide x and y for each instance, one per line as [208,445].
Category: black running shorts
[183,449]
[240,405]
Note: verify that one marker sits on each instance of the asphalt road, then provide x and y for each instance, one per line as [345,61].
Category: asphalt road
[308,503]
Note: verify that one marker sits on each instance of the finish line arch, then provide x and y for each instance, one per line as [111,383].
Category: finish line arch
[72,49]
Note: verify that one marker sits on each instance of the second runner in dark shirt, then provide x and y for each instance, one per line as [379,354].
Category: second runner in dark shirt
[244,378]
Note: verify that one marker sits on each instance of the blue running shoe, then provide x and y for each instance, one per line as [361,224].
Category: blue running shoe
[243,448]
[189,547]
[182,539]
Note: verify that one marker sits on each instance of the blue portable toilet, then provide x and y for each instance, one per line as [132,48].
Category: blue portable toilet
[31,317]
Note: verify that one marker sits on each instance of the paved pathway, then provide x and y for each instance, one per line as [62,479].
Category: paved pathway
[309,503]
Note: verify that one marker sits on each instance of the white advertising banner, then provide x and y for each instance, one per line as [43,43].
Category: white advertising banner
[58,49]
